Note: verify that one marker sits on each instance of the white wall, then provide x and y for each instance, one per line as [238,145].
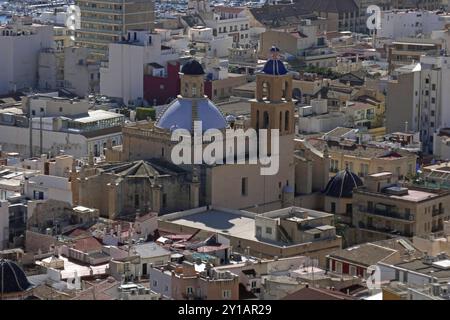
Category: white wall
[16,139]
[19,58]
[55,188]
[409,24]
[124,76]
[4,222]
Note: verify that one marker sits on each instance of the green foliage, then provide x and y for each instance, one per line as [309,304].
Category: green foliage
[145,113]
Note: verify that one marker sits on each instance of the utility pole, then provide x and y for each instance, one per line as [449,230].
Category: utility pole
[40,133]
[30,123]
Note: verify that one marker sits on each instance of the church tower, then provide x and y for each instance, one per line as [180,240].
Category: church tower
[273,107]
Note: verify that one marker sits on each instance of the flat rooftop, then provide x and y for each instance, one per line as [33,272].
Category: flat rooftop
[98,115]
[415,196]
[226,223]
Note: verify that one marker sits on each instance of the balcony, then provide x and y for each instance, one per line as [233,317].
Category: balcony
[101,21]
[437,212]
[384,230]
[101,10]
[97,31]
[388,213]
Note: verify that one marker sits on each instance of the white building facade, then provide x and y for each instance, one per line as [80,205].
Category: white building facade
[123,76]
[20,44]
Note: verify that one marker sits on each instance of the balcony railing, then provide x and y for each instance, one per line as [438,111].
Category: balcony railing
[391,213]
[389,231]
[437,212]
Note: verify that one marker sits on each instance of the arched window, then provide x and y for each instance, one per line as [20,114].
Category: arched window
[285,90]
[265,90]
[257,119]
[281,119]
[186,88]
[286,121]
[194,90]
[265,120]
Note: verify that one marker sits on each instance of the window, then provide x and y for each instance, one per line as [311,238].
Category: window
[348,208]
[433,87]
[333,207]
[136,200]
[338,267]
[268,230]
[164,200]
[244,186]
[189,290]
[317,236]
[155,283]
[352,270]
[433,100]
[258,231]
[286,121]
[226,294]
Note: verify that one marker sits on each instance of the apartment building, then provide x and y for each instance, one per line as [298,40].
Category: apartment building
[423,104]
[365,159]
[400,24]
[59,124]
[21,41]
[140,54]
[107,21]
[184,282]
[406,51]
[383,209]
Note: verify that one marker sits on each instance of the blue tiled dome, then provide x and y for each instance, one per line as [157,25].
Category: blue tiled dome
[12,277]
[192,67]
[342,184]
[274,66]
[179,115]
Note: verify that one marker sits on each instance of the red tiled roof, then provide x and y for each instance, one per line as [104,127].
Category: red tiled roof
[317,294]
[88,244]
[78,232]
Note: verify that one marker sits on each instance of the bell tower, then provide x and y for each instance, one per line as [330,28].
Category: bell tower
[273,107]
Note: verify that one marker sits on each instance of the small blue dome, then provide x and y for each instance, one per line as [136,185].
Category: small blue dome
[179,115]
[342,184]
[274,67]
[12,277]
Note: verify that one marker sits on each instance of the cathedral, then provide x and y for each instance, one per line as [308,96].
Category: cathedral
[230,185]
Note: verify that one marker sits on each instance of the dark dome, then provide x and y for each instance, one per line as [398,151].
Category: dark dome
[274,67]
[342,184]
[192,67]
[12,277]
